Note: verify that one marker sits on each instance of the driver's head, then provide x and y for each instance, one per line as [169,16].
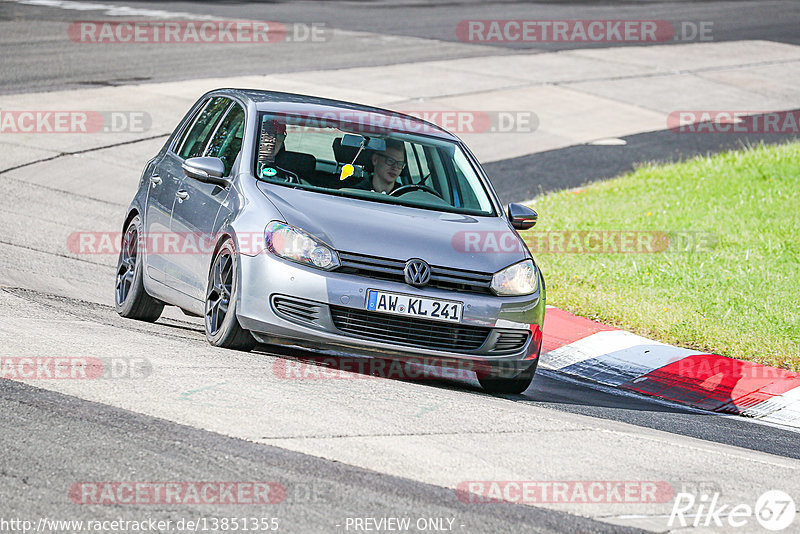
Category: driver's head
[273,134]
[389,163]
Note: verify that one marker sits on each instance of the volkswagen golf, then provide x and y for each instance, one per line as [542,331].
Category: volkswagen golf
[341,228]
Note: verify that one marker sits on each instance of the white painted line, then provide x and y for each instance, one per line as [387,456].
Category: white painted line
[611,141]
[115,11]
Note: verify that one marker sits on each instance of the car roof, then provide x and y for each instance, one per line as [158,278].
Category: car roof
[293,103]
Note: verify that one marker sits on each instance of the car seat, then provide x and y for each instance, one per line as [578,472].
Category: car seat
[302,164]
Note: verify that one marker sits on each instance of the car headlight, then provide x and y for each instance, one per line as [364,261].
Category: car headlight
[518,279]
[294,244]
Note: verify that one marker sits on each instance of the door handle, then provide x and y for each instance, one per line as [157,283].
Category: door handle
[155,179]
[182,195]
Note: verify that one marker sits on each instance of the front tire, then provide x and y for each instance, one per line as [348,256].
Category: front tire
[511,381]
[130,297]
[222,326]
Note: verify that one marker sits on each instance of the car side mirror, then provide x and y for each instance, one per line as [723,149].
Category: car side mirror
[522,217]
[209,170]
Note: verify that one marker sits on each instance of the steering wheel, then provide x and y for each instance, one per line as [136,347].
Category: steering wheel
[403,189]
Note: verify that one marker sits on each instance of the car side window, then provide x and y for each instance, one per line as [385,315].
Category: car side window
[227,140]
[179,142]
[197,138]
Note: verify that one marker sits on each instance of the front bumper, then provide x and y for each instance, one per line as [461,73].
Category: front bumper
[265,277]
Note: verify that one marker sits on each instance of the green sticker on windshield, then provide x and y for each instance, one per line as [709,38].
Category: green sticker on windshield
[268,171]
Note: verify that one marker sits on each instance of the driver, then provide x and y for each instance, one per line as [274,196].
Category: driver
[270,146]
[388,165]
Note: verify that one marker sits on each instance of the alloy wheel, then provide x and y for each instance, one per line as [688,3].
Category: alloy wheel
[126,266]
[219,293]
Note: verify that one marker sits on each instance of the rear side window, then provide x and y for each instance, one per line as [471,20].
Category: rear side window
[227,140]
[202,129]
[179,142]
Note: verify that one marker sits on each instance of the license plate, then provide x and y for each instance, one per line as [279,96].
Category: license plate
[422,307]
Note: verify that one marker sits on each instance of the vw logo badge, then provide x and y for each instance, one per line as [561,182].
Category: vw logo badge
[417,273]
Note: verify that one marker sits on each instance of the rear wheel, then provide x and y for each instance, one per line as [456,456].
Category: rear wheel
[130,298]
[222,326]
[502,379]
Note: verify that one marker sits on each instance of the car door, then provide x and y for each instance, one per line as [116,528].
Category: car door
[164,182]
[199,205]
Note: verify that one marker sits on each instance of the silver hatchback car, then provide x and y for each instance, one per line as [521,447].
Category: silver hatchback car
[341,228]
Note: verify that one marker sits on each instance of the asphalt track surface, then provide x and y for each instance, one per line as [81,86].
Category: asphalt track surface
[407,31]
[52,439]
[94,440]
[578,165]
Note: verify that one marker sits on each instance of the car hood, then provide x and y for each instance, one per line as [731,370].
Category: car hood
[485,244]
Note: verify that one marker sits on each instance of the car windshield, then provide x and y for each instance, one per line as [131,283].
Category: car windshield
[358,159]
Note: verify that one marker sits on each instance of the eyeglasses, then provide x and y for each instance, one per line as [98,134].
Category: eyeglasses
[391,162]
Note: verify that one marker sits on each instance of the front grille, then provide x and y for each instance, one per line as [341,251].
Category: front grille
[510,341]
[295,309]
[441,277]
[408,330]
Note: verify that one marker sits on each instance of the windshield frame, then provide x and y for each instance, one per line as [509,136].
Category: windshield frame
[494,202]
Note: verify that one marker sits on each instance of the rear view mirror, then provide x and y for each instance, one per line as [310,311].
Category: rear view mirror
[522,217]
[357,141]
[352,140]
[209,170]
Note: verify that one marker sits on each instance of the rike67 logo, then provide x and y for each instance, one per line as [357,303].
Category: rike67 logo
[774,510]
